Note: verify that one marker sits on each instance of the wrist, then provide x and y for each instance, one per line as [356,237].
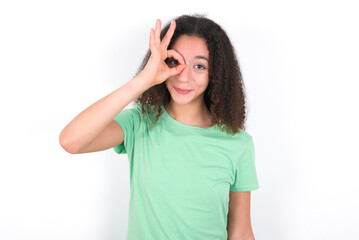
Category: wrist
[141,82]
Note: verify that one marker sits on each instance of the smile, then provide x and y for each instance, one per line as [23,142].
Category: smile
[182,91]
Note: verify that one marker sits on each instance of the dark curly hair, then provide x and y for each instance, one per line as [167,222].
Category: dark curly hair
[224,96]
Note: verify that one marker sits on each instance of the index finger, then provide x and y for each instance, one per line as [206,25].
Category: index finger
[167,38]
[176,55]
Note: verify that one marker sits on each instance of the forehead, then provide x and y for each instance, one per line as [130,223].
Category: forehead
[191,46]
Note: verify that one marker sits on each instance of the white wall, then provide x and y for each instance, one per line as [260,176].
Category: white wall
[300,65]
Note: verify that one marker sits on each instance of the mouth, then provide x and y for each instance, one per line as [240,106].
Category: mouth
[182,91]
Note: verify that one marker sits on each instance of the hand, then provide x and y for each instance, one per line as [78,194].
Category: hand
[156,70]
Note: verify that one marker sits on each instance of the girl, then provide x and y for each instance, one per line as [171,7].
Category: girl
[191,162]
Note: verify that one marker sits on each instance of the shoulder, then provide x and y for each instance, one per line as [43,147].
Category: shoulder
[241,136]
[134,111]
[138,107]
[243,141]
[148,114]
[245,134]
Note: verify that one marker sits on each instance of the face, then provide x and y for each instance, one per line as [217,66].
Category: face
[193,80]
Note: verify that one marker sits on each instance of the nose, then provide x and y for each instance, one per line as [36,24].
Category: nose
[183,76]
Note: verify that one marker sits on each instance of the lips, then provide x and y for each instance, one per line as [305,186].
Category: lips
[182,91]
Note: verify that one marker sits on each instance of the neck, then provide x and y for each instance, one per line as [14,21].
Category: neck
[194,114]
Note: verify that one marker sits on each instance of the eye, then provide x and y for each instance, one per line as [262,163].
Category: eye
[171,62]
[200,67]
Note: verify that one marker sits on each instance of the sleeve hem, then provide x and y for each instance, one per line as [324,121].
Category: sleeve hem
[245,188]
[121,148]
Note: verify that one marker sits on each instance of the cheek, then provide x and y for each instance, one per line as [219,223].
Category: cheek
[168,83]
[204,81]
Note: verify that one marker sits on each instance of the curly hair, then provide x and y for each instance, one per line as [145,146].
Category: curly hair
[224,96]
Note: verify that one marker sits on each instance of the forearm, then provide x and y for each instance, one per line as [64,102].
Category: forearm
[91,121]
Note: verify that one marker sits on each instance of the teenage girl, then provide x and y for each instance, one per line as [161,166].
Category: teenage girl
[191,162]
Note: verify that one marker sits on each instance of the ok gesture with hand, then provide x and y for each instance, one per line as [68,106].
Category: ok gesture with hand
[156,70]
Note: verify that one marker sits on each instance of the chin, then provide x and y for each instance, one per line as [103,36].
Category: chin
[180,100]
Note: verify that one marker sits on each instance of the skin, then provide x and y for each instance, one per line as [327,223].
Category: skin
[238,220]
[190,108]
[156,70]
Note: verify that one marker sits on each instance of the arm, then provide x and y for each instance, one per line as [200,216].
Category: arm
[238,220]
[93,128]
[87,125]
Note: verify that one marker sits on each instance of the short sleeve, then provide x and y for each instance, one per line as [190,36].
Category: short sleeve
[129,120]
[245,171]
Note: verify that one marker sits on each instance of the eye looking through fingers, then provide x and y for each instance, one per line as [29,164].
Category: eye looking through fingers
[171,62]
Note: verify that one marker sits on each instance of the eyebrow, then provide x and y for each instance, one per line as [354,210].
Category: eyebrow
[201,57]
[196,57]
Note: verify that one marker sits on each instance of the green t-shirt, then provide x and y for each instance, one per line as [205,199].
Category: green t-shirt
[181,175]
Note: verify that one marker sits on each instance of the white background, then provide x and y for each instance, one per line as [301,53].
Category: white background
[300,65]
